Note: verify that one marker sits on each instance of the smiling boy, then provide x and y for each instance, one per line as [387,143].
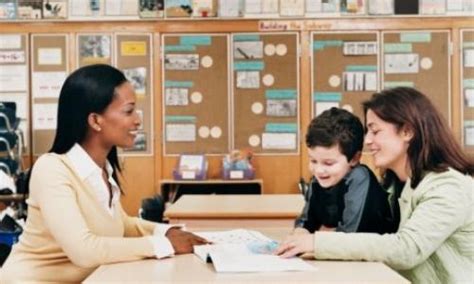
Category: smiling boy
[344,195]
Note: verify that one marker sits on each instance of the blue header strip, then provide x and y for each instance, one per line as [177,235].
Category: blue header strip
[180,48]
[361,68]
[280,94]
[397,48]
[321,44]
[195,40]
[281,127]
[179,84]
[327,97]
[247,37]
[180,118]
[394,84]
[249,65]
[415,37]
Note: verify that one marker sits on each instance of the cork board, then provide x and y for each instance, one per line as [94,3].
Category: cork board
[195,94]
[17,54]
[467,88]
[335,58]
[53,43]
[433,64]
[265,92]
[133,57]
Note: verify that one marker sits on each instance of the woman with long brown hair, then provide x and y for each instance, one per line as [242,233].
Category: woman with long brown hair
[429,177]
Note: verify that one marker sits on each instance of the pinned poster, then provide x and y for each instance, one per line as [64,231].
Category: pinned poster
[133,48]
[47,84]
[45,116]
[401,63]
[13,78]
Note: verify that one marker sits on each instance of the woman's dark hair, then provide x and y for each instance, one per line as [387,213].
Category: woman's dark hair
[87,90]
[336,126]
[433,146]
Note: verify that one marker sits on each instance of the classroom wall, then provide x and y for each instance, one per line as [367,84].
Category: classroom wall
[280,173]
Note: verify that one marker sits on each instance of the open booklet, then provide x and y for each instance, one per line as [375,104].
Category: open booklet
[245,251]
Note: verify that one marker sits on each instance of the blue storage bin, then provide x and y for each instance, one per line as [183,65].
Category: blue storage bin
[9,238]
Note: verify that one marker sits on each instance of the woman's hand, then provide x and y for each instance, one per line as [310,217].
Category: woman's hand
[296,244]
[183,241]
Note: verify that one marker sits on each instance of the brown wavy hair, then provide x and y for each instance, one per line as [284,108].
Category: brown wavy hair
[433,147]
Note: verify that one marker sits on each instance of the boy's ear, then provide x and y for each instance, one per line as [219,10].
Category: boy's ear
[356,159]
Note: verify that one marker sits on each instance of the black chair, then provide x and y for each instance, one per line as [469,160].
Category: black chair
[11,137]
[8,120]
[9,166]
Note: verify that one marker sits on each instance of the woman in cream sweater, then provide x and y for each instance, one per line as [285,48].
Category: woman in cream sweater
[75,221]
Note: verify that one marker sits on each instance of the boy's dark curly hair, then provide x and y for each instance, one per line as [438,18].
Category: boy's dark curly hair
[336,126]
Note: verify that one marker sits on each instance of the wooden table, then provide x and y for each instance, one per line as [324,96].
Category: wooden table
[190,269]
[230,211]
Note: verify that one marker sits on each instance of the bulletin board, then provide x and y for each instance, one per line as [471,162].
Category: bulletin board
[467,88]
[49,69]
[14,79]
[134,53]
[265,92]
[195,94]
[94,48]
[344,70]
[421,60]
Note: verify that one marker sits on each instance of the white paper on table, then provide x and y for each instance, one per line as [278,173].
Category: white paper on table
[229,8]
[322,106]
[469,95]
[44,116]
[231,253]
[237,236]
[16,56]
[180,132]
[468,59]
[50,56]
[47,84]
[13,78]
[10,41]
[279,141]
[401,63]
